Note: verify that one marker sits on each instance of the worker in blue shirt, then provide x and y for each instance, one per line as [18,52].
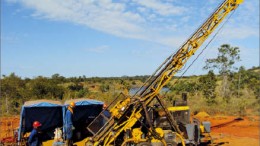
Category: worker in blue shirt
[69,124]
[106,111]
[106,114]
[35,136]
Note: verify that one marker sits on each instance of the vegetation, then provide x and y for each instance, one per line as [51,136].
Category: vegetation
[208,85]
[224,63]
[241,97]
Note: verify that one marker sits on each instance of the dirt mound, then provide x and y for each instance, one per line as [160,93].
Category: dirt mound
[202,115]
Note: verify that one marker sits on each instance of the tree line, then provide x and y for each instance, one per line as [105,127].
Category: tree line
[16,90]
[230,81]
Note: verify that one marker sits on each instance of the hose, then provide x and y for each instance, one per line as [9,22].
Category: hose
[182,140]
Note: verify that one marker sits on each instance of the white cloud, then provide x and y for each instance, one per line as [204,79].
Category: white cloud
[158,21]
[101,15]
[160,7]
[172,41]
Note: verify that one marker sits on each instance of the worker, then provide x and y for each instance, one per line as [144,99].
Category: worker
[106,115]
[106,111]
[69,124]
[35,136]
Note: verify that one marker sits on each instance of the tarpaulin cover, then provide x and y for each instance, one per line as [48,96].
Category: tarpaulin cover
[85,112]
[47,112]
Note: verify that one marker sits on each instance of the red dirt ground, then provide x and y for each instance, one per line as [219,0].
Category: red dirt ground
[224,132]
[229,132]
[8,125]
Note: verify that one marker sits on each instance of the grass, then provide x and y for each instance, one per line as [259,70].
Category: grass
[235,106]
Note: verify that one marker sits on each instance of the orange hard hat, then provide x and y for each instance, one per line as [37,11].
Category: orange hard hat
[72,104]
[36,124]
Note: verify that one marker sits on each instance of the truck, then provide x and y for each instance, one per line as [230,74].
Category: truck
[143,119]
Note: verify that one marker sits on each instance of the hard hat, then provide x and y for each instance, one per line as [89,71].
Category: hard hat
[36,124]
[72,104]
[104,105]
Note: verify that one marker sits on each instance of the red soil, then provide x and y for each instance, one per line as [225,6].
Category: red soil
[230,130]
[224,132]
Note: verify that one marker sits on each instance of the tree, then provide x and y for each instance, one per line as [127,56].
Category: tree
[104,87]
[42,87]
[239,81]
[254,83]
[76,87]
[57,78]
[126,85]
[82,92]
[185,86]
[11,89]
[224,63]
[208,85]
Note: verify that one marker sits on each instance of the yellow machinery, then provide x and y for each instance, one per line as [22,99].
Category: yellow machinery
[193,130]
[132,121]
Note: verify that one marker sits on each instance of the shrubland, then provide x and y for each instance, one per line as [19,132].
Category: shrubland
[225,89]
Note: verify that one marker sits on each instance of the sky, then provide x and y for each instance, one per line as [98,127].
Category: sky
[106,38]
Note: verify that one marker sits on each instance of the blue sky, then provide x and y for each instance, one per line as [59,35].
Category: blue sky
[108,38]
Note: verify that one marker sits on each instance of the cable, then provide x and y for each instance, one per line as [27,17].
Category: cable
[204,48]
[208,42]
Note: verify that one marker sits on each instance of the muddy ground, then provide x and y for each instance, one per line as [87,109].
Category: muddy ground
[226,131]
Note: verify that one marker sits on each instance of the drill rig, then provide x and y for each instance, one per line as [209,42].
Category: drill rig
[132,120]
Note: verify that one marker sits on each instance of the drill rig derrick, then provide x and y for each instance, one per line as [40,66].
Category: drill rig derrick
[128,115]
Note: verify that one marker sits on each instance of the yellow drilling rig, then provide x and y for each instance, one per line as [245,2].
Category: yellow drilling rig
[143,119]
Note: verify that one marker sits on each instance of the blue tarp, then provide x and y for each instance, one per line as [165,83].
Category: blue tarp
[85,112]
[51,115]
[47,112]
